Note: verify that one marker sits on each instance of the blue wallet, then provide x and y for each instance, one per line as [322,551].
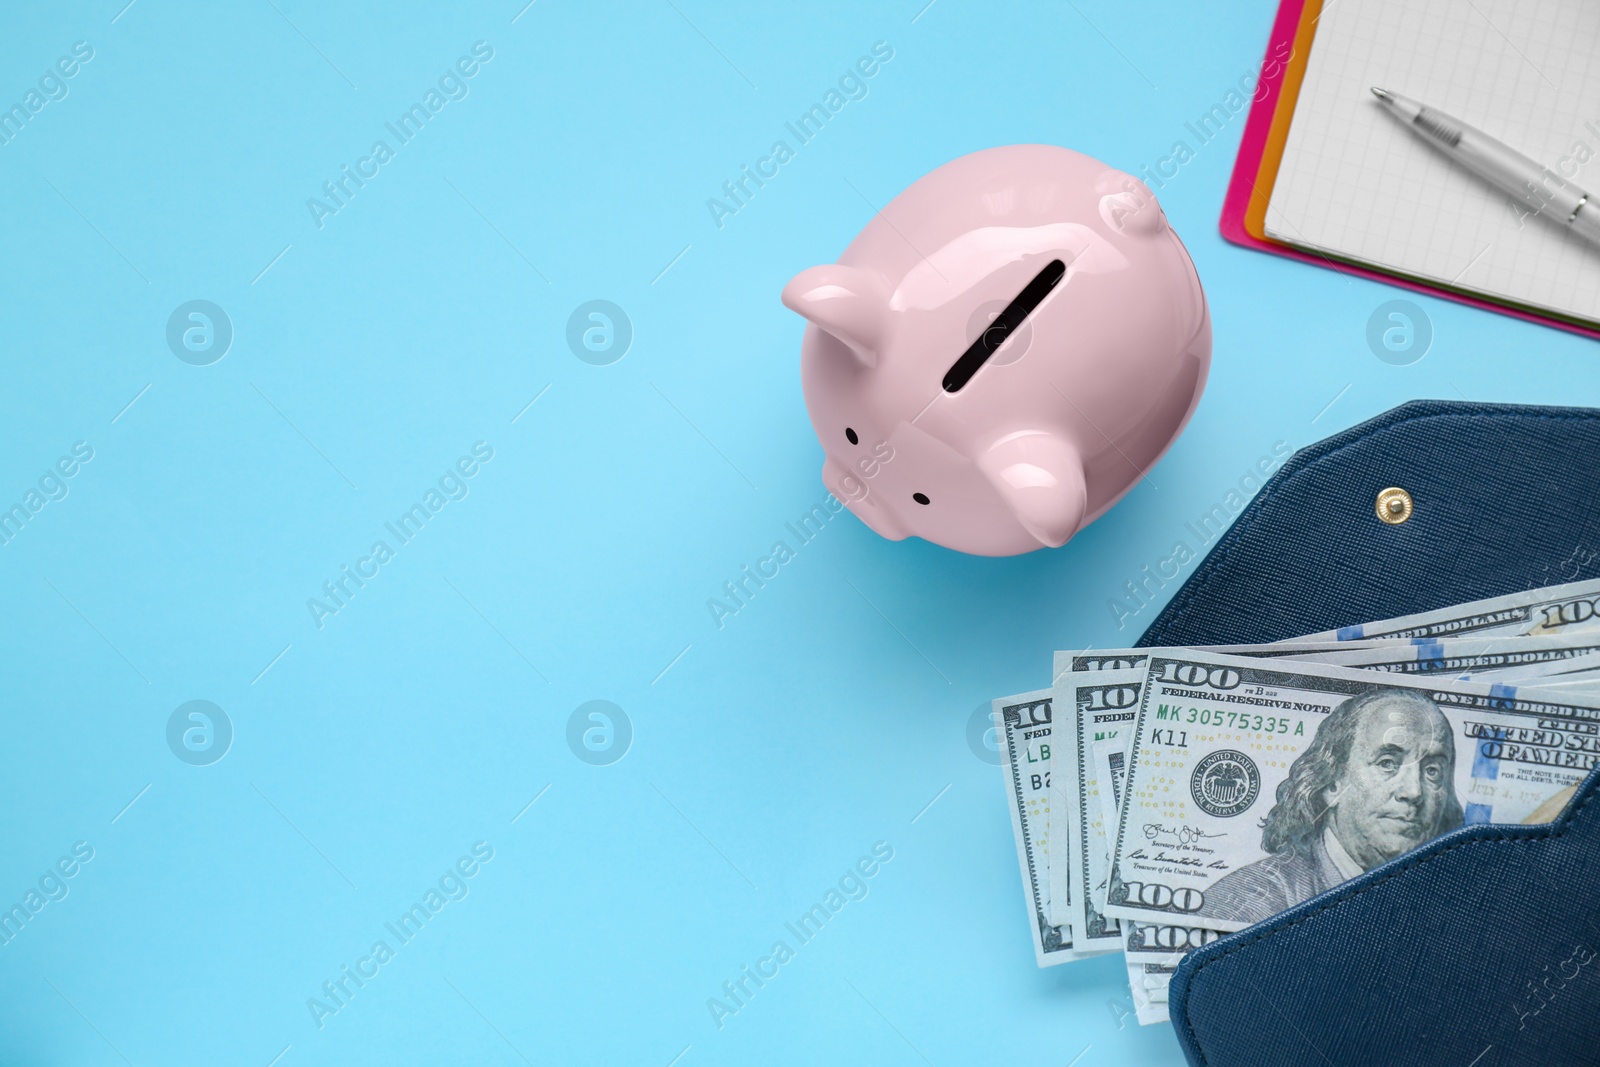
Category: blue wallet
[1482,947]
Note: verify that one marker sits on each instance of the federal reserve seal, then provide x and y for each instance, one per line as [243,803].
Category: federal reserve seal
[1225,783]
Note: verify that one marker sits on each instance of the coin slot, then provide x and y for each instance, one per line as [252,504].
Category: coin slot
[962,370]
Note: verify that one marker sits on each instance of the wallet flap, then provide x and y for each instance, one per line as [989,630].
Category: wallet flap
[1504,498]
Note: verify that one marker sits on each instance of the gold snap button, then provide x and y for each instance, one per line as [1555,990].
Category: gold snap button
[1394,506]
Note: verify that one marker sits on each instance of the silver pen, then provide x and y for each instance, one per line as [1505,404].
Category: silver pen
[1544,191]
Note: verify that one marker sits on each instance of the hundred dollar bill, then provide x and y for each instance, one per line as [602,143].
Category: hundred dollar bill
[1078,873]
[1080,860]
[1066,813]
[1502,658]
[1102,708]
[1077,823]
[1553,609]
[1063,813]
[1579,670]
[1299,647]
[1478,657]
[1254,785]
[1023,724]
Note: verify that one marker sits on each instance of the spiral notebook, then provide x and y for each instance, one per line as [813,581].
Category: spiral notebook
[1324,171]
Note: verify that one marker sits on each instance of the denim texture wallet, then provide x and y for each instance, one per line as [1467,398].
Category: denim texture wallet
[1482,947]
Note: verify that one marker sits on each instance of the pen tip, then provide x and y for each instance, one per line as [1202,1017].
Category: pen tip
[1379,93]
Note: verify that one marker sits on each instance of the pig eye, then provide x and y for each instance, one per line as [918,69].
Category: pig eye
[962,370]
[851,434]
[920,498]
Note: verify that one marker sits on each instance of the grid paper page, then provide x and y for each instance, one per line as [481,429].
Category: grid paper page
[1356,182]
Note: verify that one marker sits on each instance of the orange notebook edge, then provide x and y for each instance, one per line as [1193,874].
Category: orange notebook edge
[1255,215]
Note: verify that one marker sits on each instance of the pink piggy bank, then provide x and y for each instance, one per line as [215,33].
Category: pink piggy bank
[1003,351]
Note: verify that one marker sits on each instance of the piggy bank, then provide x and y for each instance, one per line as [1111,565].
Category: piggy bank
[1003,352]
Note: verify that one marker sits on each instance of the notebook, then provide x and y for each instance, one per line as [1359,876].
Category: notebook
[1334,176]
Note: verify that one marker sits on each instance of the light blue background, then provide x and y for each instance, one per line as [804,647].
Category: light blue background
[769,754]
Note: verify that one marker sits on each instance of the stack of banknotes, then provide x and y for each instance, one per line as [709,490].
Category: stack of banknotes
[1163,797]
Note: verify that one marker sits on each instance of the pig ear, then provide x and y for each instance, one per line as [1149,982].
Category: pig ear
[849,303]
[1040,476]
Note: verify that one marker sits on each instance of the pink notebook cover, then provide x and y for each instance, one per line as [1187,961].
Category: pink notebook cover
[1246,169]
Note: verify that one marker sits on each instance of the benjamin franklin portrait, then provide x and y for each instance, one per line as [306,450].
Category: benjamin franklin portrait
[1377,781]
